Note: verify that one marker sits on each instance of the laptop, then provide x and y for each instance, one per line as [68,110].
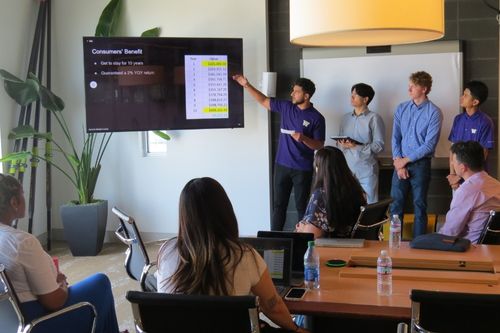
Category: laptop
[277,253]
[300,240]
[340,242]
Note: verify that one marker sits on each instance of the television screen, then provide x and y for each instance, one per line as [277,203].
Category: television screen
[157,83]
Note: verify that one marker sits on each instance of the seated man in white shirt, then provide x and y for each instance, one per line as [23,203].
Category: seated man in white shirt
[474,199]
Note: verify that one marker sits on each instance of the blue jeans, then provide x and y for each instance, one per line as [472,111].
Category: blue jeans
[420,176]
[95,289]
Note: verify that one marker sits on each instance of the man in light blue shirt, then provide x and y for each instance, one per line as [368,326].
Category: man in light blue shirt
[365,127]
[415,134]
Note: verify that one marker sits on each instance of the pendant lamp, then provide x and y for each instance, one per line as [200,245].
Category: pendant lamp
[365,22]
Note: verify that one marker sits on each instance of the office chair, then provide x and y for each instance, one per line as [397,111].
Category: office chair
[450,312]
[370,220]
[137,262]
[160,312]
[491,231]
[12,318]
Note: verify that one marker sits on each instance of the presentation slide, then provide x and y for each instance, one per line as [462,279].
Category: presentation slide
[206,87]
[143,84]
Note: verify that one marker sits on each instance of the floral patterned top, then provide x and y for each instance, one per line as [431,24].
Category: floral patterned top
[316,211]
[316,215]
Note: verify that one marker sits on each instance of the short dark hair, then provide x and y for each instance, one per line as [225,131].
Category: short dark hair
[422,79]
[364,90]
[478,90]
[9,188]
[307,85]
[470,153]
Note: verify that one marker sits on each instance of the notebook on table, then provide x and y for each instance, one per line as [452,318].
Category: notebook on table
[277,253]
[340,242]
[300,240]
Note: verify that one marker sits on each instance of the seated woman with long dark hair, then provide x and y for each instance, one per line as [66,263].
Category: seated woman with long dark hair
[336,196]
[40,288]
[207,257]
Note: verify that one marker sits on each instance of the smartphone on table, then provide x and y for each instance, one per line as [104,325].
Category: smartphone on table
[295,294]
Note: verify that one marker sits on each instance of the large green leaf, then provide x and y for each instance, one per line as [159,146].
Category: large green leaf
[109,19]
[50,100]
[75,162]
[23,92]
[162,135]
[155,32]
[33,77]
[16,156]
[22,131]
[26,131]
[7,76]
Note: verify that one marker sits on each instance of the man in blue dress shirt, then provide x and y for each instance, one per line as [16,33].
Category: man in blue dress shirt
[415,134]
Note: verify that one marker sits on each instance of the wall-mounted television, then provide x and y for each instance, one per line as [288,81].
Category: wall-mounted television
[159,83]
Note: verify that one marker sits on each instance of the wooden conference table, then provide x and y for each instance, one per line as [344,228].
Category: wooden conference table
[352,291]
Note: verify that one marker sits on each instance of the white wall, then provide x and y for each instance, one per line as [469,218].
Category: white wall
[17,24]
[388,75]
[148,187]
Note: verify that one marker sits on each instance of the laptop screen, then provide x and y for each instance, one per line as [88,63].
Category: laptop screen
[277,255]
[300,240]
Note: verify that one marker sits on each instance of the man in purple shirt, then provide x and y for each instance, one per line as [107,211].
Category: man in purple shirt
[302,132]
[474,199]
[415,134]
[472,124]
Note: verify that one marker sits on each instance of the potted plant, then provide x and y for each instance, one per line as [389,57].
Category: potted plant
[84,219]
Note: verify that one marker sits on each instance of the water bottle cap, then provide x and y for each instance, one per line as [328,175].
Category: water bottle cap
[310,243]
[395,215]
[383,253]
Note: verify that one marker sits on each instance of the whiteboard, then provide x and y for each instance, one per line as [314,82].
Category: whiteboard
[388,75]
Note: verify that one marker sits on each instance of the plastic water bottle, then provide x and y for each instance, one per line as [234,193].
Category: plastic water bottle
[311,267]
[395,233]
[384,274]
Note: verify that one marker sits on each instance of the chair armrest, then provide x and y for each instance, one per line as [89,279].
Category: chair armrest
[122,237]
[144,277]
[361,226]
[61,312]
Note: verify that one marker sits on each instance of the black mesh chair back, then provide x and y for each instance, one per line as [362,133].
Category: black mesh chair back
[450,312]
[370,220]
[13,320]
[491,231]
[160,312]
[137,262]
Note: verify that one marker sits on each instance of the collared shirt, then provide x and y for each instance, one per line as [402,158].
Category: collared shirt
[478,127]
[416,129]
[369,129]
[471,205]
[293,154]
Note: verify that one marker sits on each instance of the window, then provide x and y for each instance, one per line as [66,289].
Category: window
[153,144]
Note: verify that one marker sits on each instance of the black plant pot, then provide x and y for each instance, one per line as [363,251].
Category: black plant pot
[85,227]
